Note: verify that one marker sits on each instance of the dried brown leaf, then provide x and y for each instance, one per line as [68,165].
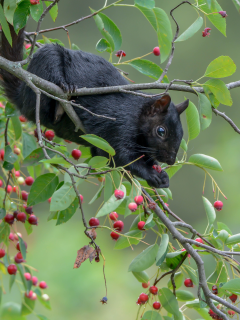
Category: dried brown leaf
[83,254]
[92,234]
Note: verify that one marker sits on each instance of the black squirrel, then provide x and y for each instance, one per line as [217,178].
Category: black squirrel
[149,126]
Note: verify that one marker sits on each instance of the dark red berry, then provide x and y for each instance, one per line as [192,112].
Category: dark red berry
[21,216]
[145,285]
[138,200]
[223,14]
[132,206]
[2,152]
[188,283]
[94,222]
[15,213]
[113,216]
[156,305]
[97,259]
[29,181]
[119,194]
[206,32]
[76,154]
[118,225]
[157,168]
[27,276]
[22,119]
[2,253]
[120,53]
[114,235]
[18,258]
[143,297]
[12,269]
[152,205]
[9,218]
[29,210]
[156,51]
[218,205]
[18,245]
[215,289]
[49,134]
[141,225]
[153,290]
[36,133]
[233,298]
[34,280]
[24,195]
[33,220]
[231,312]
[42,285]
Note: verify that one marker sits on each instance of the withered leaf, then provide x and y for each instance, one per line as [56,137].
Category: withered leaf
[92,234]
[83,254]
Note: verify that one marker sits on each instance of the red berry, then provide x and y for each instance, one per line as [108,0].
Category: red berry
[24,195]
[2,154]
[76,154]
[29,181]
[113,216]
[94,222]
[143,297]
[27,46]
[9,189]
[188,283]
[12,269]
[120,53]
[15,189]
[21,216]
[34,280]
[231,312]
[33,2]
[153,290]
[18,258]
[17,174]
[114,235]
[215,289]
[138,200]
[2,253]
[183,249]
[233,298]
[132,206]
[118,225]
[157,168]
[119,194]
[199,240]
[27,276]
[1,183]
[33,220]
[49,134]
[156,305]
[49,200]
[218,205]
[81,198]
[223,14]
[29,295]
[9,218]
[68,141]
[156,51]
[18,245]
[213,314]
[42,285]
[145,285]
[22,119]
[36,133]
[141,225]
[206,32]
[11,237]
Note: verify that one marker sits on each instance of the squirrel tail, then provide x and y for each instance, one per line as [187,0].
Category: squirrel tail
[9,82]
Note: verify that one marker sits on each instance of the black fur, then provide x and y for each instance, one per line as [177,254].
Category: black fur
[137,118]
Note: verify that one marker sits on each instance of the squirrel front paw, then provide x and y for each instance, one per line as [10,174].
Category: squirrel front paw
[68,88]
[158,180]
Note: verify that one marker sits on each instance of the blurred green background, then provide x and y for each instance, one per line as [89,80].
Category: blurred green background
[75,293]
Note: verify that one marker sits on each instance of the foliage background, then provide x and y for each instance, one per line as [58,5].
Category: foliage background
[75,293]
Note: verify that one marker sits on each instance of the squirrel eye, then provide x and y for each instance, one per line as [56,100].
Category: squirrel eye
[161,132]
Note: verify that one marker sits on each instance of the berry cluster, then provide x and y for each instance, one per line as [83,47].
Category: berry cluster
[143,297]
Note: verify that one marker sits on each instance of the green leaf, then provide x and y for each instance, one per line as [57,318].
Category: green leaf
[99,142]
[45,303]
[141,276]
[204,312]
[11,311]
[178,279]
[220,67]
[233,239]
[174,258]
[163,249]
[237,4]
[4,232]
[97,195]
[144,260]
[16,127]
[9,156]
[217,20]
[223,236]
[116,178]
[21,272]
[10,110]
[220,91]
[21,15]
[56,160]
[168,301]
[11,281]
[205,111]
[183,295]
[27,306]
[54,11]
[111,204]
[42,188]
[192,274]
[211,214]
[193,121]
[124,242]
[41,317]
[151,315]
[36,10]
[98,162]
[183,145]
[35,156]
[108,187]
[150,4]
[63,197]
[81,171]
[67,214]
[9,7]
[223,226]
[233,286]
[218,276]
[75,47]
[172,170]
[5,26]
[103,45]
[148,68]
[191,30]
[29,144]
[2,213]
[205,161]
[22,247]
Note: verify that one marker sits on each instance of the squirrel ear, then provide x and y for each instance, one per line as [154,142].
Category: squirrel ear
[182,106]
[161,105]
